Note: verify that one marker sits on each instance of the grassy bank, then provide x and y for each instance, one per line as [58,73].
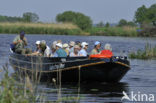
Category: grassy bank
[114,31]
[40,28]
[65,29]
[149,52]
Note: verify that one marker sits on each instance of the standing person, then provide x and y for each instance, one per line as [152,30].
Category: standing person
[59,51]
[96,49]
[20,42]
[83,51]
[76,52]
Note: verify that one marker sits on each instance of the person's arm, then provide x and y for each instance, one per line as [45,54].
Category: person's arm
[16,41]
[25,41]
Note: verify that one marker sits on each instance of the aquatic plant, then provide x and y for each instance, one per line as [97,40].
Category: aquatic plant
[149,52]
[20,88]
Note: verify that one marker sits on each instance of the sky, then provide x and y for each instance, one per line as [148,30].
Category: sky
[98,10]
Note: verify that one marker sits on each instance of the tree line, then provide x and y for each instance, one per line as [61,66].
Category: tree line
[143,15]
[27,17]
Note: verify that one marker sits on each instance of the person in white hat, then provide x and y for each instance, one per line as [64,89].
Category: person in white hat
[37,52]
[66,48]
[59,51]
[97,46]
[83,51]
[38,46]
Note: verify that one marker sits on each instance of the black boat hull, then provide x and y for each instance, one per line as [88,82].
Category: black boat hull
[79,69]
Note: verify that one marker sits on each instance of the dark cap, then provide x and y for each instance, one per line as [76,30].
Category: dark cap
[22,33]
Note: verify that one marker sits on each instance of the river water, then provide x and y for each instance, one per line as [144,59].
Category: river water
[141,79]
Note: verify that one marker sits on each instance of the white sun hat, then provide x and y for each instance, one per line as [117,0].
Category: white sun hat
[72,43]
[65,45]
[38,42]
[83,44]
[59,45]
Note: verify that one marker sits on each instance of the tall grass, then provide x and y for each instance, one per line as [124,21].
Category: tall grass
[40,28]
[20,88]
[148,53]
[114,31]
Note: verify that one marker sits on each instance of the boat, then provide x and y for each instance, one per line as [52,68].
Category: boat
[72,69]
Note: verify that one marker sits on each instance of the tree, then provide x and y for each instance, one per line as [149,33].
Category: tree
[122,22]
[141,14]
[82,21]
[107,25]
[30,17]
[100,24]
[131,23]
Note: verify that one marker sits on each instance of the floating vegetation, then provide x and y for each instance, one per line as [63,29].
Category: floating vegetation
[149,52]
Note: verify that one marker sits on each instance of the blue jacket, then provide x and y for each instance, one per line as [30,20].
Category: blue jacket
[61,53]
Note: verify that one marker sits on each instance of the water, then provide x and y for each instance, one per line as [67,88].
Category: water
[141,78]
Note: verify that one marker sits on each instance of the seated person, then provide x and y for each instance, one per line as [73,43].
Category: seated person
[59,51]
[83,51]
[20,42]
[47,50]
[107,50]
[37,46]
[37,51]
[76,52]
[71,46]
[96,49]
[66,48]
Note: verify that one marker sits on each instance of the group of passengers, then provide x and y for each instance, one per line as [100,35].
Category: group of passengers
[57,49]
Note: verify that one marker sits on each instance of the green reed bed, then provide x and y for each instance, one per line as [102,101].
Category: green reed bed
[40,28]
[149,52]
[20,88]
[114,31]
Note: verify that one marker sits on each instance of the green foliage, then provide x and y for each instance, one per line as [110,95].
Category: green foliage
[82,21]
[38,28]
[107,25]
[100,24]
[27,17]
[148,53]
[123,22]
[12,92]
[30,17]
[146,15]
[114,31]
[9,19]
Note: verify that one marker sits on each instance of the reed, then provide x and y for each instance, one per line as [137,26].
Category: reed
[114,31]
[21,88]
[149,52]
[40,28]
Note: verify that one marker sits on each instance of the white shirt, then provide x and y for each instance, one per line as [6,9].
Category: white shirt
[72,54]
[83,52]
[47,52]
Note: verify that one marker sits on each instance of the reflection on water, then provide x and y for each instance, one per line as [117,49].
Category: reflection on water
[141,77]
[90,92]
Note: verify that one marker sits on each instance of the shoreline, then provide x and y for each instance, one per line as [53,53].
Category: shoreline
[66,29]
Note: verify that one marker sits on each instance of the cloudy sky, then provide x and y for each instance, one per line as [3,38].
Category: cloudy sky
[99,10]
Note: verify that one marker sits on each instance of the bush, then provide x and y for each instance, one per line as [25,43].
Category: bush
[82,21]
